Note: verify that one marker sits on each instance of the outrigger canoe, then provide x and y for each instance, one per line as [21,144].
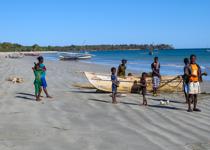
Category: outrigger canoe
[130,84]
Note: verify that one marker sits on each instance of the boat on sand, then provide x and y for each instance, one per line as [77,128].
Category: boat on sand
[15,55]
[32,54]
[130,84]
[74,56]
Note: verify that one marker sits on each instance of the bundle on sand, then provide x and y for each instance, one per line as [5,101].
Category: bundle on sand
[15,79]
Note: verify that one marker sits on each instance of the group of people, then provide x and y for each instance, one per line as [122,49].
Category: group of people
[191,80]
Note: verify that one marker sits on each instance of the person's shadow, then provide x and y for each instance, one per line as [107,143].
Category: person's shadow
[166,107]
[25,96]
[129,103]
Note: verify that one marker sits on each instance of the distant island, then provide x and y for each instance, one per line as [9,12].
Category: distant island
[12,47]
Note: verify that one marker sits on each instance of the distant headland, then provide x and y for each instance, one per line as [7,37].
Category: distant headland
[12,47]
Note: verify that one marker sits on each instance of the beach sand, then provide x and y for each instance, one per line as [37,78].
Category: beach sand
[79,119]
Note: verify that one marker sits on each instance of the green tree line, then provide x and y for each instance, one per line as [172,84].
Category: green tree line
[12,47]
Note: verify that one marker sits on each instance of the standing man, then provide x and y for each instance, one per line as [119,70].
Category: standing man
[122,68]
[155,75]
[194,85]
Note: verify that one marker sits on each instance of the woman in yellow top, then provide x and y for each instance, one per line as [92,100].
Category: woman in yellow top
[194,85]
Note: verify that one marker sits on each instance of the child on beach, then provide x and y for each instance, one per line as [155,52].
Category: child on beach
[37,82]
[43,79]
[185,78]
[155,75]
[143,85]
[115,84]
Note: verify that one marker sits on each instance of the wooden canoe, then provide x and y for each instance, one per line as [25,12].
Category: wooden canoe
[130,84]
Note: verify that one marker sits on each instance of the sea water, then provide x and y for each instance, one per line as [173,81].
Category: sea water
[171,61]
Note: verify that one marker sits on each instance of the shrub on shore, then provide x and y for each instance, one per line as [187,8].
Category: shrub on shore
[12,47]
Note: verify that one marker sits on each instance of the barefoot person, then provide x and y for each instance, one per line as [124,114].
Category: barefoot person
[143,84]
[37,82]
[155,75]
[185,78]
[115,84]
[43,79]
[122,68]
[194,85]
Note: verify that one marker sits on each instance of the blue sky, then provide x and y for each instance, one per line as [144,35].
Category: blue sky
[183,23]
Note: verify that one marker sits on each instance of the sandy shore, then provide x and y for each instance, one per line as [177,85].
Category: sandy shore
[4,54]
[82,119]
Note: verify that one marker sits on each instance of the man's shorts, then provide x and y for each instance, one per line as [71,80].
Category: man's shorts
[194,88]
[44,82]
[156,82]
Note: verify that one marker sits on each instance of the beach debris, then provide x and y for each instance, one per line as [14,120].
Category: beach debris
[15,79]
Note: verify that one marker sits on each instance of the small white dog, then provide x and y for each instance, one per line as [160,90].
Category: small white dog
[165,102]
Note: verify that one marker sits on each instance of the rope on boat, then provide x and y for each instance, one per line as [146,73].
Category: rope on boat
[170,82]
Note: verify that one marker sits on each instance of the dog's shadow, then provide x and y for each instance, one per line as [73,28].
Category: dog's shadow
[172,101]
[129,103]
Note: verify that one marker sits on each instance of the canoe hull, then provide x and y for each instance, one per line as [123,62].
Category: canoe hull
[131,84]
